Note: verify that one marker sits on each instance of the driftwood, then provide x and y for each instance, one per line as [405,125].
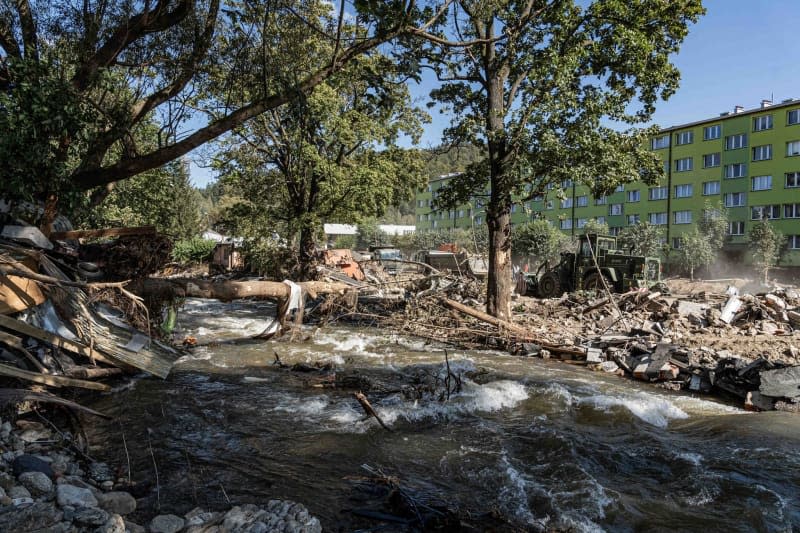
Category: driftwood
[51,380]
[228,290]
[362,399]
[21,395]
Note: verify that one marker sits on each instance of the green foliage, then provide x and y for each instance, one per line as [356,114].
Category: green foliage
[451,159]
[539,240]
[192,250]
[696,251]
[714,225]
[766,244]
[593,226]
[467,239]
[369,234]
[643,239]
[345,241]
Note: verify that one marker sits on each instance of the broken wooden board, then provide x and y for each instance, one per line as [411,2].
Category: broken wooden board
[60,342]
[22,395]
[51,380]
[18,294]
[100,233]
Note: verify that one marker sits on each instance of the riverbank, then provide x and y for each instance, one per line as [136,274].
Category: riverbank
[46,484]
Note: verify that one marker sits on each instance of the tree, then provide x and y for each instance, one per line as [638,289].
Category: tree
[539,240]
[593,226]
[532,84]
[696,250]
[78,79]
[369,234]
[766,245]
[331,155]
[643,239]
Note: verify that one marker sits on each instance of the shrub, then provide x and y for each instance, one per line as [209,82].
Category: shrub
[193,250]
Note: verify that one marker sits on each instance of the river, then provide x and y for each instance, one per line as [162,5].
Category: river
[546,445]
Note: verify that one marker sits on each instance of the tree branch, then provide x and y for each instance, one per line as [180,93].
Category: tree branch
[29,37]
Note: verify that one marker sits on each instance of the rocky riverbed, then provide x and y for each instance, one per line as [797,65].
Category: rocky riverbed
[47,486]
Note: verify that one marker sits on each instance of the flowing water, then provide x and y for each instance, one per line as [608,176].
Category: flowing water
[547,445]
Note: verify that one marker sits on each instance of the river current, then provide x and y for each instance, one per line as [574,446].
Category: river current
[545,445]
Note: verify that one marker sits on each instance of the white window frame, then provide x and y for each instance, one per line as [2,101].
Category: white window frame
[601,219]
[795,177]
[712,132]
[742,166]
[761,183]
[657,143]
[684,164]
[581,222]
[677,243]
[582,201]
[684,190]
[739,224]
[792,148]
[634,196]
[705,188]
[616,209]
[566,203]
[793,117]
[773,212]
[684,137]
[791,210]
[715,160]
[658,219]
[565,223]
[632,220]
[736,142]
[658,193]
[793,242]
[762,123]
[682,217]
[763,152]
[731,195]
[603,200]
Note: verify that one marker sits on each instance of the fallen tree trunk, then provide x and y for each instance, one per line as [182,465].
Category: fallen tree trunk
[228,290]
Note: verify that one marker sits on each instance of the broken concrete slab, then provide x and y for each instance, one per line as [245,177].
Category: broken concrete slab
[733,304]
[781,383]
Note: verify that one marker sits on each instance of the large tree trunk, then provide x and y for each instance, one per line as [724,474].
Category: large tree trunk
[307,253]
[499,287]
[227,290]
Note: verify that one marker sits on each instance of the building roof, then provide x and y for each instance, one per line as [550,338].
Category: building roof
[340,229]
[737,112]
[396,229]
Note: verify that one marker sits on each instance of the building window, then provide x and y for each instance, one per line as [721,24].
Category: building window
[616,209]
[566,223]
[581,222]
[633,220]
[762,183]
[794,242]
[603,200]
[620,188]
[710,187]
[793,148]
[684,137]
[791,211]
[682,165]
[735,170]
[549,204]
[566,203]
[658,219]
[601,220]
[764,152]
[460,213]
[538,198]
[683,217]
[793,117]
[634,196]
[676,243]
[762,123]
[736,227]
[566,184]
[614,231]
[760,212]
[734,199]
[711,160]
[479,220]
[712,132]
[792,180]
[514,208]
[683,191]
[734,142]
[435,224]
[660,142]
[583,201]
[658,193]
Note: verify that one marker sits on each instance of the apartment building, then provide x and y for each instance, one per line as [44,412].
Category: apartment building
[747,160]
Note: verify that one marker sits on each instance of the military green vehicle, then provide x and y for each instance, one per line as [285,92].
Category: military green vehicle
[578,271]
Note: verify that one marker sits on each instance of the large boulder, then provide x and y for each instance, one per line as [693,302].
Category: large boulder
[118,502]
[36,482]
[166,523]
[31,463]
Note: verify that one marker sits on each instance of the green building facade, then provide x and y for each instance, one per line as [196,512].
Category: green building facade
[746,160]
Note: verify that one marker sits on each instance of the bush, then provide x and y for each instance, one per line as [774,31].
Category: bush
[193,250]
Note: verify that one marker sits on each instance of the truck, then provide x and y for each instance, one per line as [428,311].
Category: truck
[598,261]
[449,258]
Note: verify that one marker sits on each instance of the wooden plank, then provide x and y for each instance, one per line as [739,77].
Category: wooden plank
[56,340]
[51,380]
[15,342]
[98,233]
[18,294]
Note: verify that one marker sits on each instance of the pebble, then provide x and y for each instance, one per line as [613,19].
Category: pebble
[115,524]
[36,482]
[166,523]
[75,496]
[18,491]
[90,516]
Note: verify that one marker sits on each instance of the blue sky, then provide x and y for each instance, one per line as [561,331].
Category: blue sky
[741,52]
